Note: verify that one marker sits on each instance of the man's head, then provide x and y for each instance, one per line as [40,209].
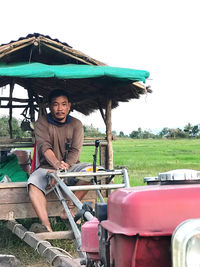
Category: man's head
[59,105]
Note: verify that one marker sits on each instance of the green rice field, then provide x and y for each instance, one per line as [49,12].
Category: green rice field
[148,157]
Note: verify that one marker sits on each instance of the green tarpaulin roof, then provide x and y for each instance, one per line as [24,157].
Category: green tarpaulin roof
[71,71]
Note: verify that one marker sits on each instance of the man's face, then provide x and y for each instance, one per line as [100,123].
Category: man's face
[60,108]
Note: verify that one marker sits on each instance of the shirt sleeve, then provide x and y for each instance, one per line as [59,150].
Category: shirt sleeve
[42,136]
[76,144]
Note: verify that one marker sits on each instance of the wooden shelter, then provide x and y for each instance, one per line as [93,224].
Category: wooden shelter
[41,64]
[87,94]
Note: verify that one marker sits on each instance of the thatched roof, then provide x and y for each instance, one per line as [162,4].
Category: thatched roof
[87,94]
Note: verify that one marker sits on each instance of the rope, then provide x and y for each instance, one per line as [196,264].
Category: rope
[68,256]
[40,242]
[17,224]
[27,232]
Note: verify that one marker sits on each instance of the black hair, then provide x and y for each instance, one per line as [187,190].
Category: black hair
[57,93]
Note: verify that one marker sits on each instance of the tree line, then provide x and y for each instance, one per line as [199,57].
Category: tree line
[188,131]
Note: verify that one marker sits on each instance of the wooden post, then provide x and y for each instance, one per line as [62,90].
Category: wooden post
[109,133]
[10,109]
[31,105]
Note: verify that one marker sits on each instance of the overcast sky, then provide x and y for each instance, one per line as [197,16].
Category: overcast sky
[155,35]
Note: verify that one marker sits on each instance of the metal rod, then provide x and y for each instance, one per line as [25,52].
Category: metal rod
[93,187]
[74,226]
[61,174]
[99,194]
[125,177]
[71,196]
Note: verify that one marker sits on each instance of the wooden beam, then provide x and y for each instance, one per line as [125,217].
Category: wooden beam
[67,54]
[31,104]
[109,133]
[16,106]
[14,99]
[10,109]
[102,113]
[56,235]
[53,255]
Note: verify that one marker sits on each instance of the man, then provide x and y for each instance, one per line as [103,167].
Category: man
[52,132]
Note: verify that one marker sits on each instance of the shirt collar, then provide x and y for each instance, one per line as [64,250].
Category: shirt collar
[57,123]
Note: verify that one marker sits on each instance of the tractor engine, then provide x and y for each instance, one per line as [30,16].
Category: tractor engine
[137,229]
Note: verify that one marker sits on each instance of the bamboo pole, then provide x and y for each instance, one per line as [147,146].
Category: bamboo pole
[12,50]
[67,54]
[31,105]
[15,44]
[71,50]
[109,133]
[102,113]
[14,99]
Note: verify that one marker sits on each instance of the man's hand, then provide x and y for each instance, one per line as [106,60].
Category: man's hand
[53,161]
[61,165]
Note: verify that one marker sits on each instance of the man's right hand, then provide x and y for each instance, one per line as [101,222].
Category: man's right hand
[61,165]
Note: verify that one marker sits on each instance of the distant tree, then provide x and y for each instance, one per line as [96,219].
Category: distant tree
[192,130]
[195,130]
[16,129]
[165,131]
[188,129]
[114,133]
[91,131]
[140,134]
[134,134]
[121,134]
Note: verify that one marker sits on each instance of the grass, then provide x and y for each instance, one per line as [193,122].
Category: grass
[142,158]
[148,157]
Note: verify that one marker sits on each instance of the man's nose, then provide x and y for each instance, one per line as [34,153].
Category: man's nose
[59,107]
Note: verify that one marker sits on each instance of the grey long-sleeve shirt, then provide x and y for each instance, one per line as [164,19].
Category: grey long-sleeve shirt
[54,137]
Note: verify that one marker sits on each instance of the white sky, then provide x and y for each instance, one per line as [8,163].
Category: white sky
[155,35]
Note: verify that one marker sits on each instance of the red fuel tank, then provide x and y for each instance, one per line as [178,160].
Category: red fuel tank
[142,219]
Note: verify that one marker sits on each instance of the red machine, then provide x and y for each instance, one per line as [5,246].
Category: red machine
[140,222]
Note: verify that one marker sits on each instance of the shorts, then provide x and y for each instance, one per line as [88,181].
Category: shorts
[40,179]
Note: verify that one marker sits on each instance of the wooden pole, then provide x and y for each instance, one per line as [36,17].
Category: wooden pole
[31,105]
[10,109]
[109,133]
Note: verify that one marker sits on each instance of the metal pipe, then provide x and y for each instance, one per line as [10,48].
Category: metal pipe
[64,174]
[75,229]
[93,187]
[125,177]
[71,195]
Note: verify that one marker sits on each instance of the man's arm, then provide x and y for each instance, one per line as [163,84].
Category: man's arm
[54,162]
[76,143]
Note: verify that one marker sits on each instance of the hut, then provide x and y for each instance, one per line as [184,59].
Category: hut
[40,64]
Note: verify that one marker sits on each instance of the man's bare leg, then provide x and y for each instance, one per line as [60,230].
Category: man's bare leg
[39,203]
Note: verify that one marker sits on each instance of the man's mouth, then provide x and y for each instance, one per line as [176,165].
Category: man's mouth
[60,113]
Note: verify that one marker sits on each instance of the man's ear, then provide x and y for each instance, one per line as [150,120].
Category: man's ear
[69,104]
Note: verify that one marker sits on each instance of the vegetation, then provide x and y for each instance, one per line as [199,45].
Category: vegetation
[148,157]
[16,126]
[188,131]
